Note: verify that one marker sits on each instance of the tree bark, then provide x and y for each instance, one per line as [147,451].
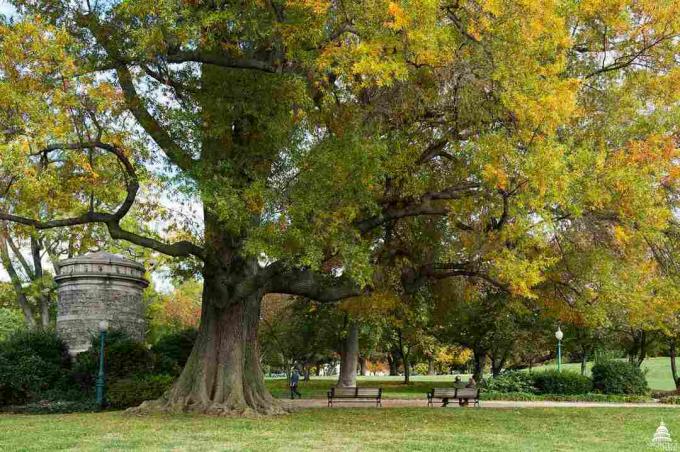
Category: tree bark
[222,375]
[393,363]
[404,358]
[674,369]
[430,366]
[584,360]
[349,357]
[363,371]
[22,300]
[479,364]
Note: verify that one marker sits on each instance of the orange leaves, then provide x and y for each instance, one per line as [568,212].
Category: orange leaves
[399,19]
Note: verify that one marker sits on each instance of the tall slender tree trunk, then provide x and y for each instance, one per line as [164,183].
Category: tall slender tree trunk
[479,364]
[21,298]
[363,371]
[430,366]
[349,357]
[584,360]
[404,358]
[393,363]
[674,369]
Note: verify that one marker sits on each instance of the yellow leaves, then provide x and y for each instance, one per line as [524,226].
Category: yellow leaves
[521,274]
[453,356]
[377,304]
[611,13]
[621,235]
[318,7]
[391,37]
[495,176]
[399,19]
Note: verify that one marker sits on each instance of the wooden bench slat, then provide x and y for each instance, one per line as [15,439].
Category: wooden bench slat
[355,395]
[467,393]
[445,394]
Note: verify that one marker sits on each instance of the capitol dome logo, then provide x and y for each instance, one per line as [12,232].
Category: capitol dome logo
[662,438]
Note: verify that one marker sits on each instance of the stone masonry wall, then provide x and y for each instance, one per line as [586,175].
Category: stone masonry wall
[91,292]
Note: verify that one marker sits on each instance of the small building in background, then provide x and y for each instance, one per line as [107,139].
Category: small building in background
[95,287]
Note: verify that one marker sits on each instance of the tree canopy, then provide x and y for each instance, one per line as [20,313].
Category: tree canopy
[341,147]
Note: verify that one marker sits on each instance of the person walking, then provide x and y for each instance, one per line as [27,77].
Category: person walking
[294,380]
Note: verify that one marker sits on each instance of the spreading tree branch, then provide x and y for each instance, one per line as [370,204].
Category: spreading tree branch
[111,220]
[422,206]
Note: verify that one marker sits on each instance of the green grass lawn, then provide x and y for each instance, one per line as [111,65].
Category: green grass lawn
[393,387]
[658,377]
[658,372]
[599,429]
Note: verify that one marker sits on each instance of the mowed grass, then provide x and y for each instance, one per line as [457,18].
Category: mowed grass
[658,372]
[658,376]
[344,429]
[393,387]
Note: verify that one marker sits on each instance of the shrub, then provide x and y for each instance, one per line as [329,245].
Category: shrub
[46,345]
[592,397]
[513,381]
[123,358]
[670,400]
[50,407]
[421,369]
[128,392]
[31,363]
[618,377]
[554,382]
[173,350]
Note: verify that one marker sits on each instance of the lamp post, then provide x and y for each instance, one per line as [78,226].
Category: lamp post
[103,327]
[559,335]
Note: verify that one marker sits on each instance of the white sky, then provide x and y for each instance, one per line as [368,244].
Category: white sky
[6,8]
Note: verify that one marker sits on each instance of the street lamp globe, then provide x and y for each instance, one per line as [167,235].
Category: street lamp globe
[559,334]
[103,326]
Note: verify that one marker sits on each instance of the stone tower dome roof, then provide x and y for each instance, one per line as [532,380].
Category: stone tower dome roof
[101,266]
[101,258]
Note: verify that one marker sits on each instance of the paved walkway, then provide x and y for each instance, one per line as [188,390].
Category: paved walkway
[412,403]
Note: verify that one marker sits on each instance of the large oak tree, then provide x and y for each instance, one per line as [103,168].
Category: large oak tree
[333,146]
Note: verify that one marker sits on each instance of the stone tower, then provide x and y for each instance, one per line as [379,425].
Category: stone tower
[97,287]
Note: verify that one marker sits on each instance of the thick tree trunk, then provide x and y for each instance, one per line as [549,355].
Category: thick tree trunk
[349,357]
[222,375]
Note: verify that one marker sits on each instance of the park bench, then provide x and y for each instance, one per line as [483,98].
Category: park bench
[447,394]
[355,395]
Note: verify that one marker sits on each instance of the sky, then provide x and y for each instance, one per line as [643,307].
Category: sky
[161,282]
[6,8]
